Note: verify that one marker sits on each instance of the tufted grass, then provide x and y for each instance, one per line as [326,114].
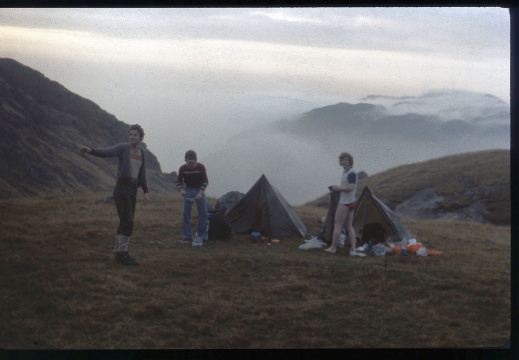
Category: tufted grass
[62,290]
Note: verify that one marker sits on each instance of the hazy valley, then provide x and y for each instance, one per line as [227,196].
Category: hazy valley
[43,122]
[299,155]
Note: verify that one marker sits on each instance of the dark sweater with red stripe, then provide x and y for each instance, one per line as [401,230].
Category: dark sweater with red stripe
[193,178]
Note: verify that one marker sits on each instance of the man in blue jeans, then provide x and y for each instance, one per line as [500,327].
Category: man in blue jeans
[192,182]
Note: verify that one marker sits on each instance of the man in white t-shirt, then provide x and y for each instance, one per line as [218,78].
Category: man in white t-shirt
[346,206]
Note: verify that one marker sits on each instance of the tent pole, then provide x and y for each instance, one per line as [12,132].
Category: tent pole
[363,219]
[330,217]
[267,212]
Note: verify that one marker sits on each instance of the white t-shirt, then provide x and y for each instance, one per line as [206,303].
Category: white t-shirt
[349,176]
[135,163]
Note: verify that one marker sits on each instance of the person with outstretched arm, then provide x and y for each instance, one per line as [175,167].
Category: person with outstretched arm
[131,174]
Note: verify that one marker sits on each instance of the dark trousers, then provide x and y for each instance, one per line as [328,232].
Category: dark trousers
[125,197]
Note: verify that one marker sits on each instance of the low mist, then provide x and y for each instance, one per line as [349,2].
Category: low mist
[302,166]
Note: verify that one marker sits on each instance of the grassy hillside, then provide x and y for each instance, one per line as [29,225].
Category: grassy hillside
[61,288]
[484,174]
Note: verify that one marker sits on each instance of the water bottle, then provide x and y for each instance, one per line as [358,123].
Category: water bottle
[342,240]
[379,250]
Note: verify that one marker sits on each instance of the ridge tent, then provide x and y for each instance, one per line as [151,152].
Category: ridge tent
[371,210]
[264,209]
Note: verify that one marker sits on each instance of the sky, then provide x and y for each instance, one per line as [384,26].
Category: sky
[194,77]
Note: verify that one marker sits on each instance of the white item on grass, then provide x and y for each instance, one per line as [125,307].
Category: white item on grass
[421,252]
[363,247]
[197,241]
[354,253]
[313,243]
[342,240]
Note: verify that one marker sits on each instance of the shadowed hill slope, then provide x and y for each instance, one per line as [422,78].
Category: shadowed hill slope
[42,122]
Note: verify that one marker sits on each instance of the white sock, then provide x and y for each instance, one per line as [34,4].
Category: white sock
[122,243]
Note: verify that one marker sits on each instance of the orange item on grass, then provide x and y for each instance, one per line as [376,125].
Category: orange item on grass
[412,249]
[433,252]
[396,249]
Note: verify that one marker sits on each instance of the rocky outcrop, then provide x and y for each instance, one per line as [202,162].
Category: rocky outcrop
[228,200]
[427,204]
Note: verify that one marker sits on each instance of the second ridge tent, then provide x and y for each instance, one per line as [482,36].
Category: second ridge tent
[370,211]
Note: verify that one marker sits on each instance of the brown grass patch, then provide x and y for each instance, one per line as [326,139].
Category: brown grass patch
[62,289]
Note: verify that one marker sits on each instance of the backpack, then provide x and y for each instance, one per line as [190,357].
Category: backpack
[218,225]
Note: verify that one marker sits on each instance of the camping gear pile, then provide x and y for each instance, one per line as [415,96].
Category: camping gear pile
[404,247]
[257,237]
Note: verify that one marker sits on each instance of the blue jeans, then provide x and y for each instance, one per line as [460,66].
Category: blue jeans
[201,206]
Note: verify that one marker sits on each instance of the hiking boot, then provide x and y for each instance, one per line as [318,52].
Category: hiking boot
[354,253]
[124,258]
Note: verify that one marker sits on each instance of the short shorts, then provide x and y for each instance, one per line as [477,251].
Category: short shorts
[352,205]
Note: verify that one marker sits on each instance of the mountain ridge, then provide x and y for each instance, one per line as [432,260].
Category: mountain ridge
[43,123]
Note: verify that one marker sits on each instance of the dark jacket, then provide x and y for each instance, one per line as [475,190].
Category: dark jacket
[122,151]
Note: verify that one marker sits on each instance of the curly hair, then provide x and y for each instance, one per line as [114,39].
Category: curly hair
[139,129]
[347,156]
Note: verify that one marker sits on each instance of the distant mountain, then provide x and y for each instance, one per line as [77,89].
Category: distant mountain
[42,122]
[433,116]
[446,105]
[299,156]
[472,186]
